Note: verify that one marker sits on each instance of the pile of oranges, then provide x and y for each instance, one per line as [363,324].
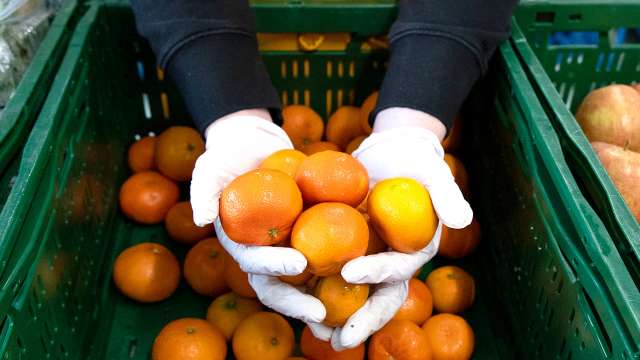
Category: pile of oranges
[315,199]
[345,129]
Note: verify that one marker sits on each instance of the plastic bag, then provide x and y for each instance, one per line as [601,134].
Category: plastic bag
[23,25]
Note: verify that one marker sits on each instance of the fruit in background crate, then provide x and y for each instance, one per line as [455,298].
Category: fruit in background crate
[611,114]
[365,111]
[146,272]
[459,173]
[287,161]
[332,176]
[623,166]
[51,270]
[353,144]
[344,125]
[452,142]
[329,235]
[303,125]
[177,150]
[399,339]
[458,243]
[228,310]
[340,299]
[204,267]
[260,207]
[141,155]
[319,146]
[297,280]
[180,226]
[402,214]
[146,197]
[189,338]
[418,305]
[237,279]
[450,337]
[453,289]
[315,349]
[263,336]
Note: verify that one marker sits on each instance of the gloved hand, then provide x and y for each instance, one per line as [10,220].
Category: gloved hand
[403,144]
[236,144]
[264,264]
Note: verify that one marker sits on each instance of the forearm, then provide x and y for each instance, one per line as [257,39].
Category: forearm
[439,49]
[208,48]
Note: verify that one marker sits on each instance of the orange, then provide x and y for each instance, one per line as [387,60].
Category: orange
[332,176]
[316,349]
[459,173]
[303,125]
[451,143]
[237,279]
[228,310]
[458,243]
[180,226]
[418,305]
[402,214]
[340,298]
[189,339]
[146,272]
[319,146]
[353,144]
[399,339]
[141,156]
[295,358]
[263,336]
[297,280]
[260,207]
[376,244]
[146,197]
[329,235]
[452,288]
[177,150]
[365,111]
[450,337]
[204,267]
[344,125]
[286,160]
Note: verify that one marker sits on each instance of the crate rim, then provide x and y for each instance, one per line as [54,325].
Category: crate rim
[537,127]
[583,216]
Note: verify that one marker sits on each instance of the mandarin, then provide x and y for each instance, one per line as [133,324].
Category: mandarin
[147,272]
[329,235]
[332,176]
[260,207]
[146,197]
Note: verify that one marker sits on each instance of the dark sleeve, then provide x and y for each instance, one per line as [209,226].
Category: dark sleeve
[209,49]
[439,49]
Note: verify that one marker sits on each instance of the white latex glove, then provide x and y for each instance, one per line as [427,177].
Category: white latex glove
[264,264]
[235,144]
[404,143]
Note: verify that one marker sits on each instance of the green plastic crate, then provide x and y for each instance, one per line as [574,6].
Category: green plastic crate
[543,291]
[24,106]
[563,75]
